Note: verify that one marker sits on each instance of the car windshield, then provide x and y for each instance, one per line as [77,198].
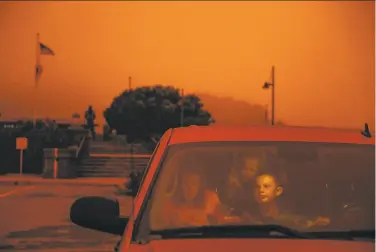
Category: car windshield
[317,187]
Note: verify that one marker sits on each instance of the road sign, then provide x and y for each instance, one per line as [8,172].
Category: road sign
[21,143]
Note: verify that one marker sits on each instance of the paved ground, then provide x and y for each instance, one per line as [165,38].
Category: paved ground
[35,217]
[11,179]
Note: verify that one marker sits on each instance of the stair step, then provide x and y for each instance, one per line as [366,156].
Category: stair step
[88,161]
[123,172]
[104,165]
[115,160]
[127,171]
[102,176]
[99,174]
[119,155]
[110,168]
[116,148]
[95,168]
[112,164]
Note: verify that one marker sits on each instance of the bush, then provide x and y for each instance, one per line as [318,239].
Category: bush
[44,135]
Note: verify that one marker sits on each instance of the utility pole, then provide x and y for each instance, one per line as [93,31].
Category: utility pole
[131,144]
[182,109]
[266,114]
[130,83]
[273,89]
[271,85]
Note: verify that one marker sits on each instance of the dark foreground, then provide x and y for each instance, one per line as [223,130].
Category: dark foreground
[36,218]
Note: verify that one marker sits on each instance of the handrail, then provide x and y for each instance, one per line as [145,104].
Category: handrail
[80,146]
[154,139]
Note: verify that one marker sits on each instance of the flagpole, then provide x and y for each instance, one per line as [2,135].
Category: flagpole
[36,79]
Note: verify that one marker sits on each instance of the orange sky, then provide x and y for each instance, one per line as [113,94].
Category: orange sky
[323,53]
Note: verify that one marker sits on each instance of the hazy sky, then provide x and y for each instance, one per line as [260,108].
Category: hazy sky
[323,53]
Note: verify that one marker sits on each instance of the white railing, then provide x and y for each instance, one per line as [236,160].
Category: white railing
[78,151]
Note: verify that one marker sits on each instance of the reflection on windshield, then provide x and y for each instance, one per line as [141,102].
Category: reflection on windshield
[304,186]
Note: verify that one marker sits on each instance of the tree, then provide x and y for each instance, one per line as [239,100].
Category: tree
[147,111]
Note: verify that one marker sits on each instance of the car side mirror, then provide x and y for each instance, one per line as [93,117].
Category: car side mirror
[98,213]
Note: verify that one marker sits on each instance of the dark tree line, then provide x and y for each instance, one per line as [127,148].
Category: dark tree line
[149,111]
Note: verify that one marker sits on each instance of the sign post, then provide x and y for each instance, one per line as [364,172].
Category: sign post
[21,145]
[56,155]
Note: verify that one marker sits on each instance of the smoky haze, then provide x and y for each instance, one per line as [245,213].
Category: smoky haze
[323,53]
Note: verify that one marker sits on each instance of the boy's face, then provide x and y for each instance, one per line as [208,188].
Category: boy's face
[267,189]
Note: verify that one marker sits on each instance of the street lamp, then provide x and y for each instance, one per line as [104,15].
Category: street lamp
[271,85]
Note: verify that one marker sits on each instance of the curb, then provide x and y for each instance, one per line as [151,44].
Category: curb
[121,191]
[16,182]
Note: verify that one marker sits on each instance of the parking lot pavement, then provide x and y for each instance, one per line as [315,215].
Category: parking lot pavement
[36,218]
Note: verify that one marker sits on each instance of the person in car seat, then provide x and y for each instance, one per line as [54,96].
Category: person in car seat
[240,183]
[266,193]
[192,202]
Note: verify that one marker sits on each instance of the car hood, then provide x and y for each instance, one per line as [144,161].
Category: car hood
[246,245]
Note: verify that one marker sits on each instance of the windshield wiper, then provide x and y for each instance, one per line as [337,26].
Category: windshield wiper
[241,231]
[349,235]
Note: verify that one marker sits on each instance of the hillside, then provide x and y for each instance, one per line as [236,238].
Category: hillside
[58,102]
[228,111]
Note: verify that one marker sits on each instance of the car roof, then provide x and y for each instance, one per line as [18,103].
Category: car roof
[213,133]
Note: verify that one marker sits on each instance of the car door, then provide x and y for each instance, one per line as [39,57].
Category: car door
[143,189]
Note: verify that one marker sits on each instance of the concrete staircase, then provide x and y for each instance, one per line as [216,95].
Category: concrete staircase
[115,147]
[112,159]
[111,166]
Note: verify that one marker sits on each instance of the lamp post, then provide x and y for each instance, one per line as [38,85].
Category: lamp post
[271,85]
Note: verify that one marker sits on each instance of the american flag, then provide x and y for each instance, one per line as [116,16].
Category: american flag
[45,50]
[38,71]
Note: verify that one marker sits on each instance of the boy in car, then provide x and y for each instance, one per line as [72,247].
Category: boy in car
[266,193]
[240,182]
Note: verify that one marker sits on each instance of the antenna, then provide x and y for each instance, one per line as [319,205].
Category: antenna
[366,131]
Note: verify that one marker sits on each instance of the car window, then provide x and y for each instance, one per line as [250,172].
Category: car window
[147,167]
[318,186]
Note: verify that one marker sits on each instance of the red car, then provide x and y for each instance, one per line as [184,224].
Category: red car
[211,188]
